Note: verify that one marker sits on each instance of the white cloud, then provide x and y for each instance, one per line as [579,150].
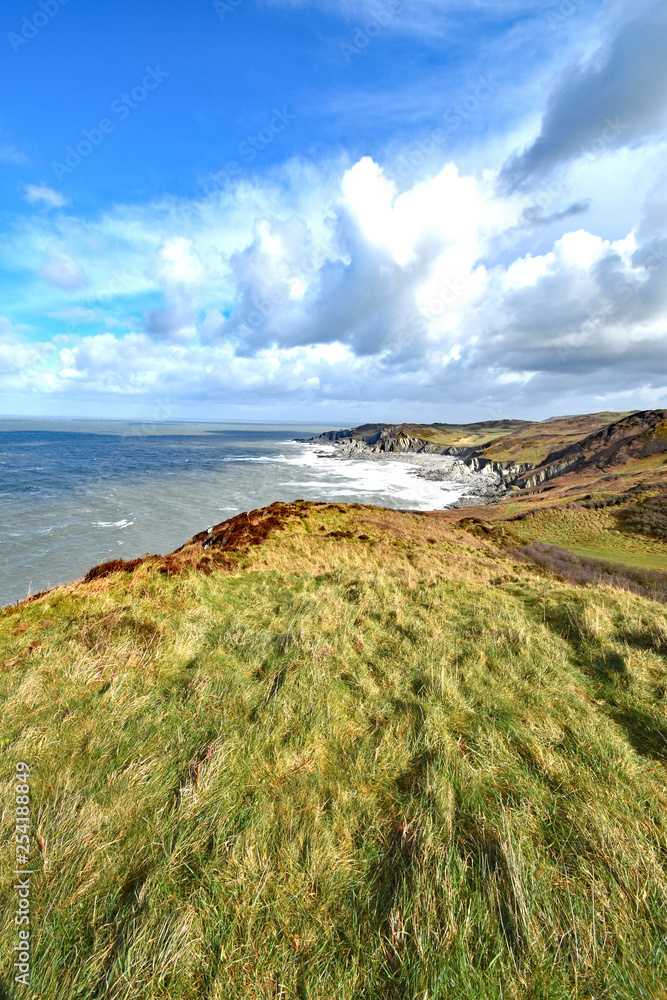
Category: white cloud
[61,269]
[17,355]
[351,291]
[10,154]
[36,193]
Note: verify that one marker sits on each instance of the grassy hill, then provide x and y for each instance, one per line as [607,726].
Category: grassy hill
[341,752]
[612,506]
[536,441]
[517,441]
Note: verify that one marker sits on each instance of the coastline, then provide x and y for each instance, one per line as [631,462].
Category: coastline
[482,487]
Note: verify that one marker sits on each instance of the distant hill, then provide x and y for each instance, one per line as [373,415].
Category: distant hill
[541,450]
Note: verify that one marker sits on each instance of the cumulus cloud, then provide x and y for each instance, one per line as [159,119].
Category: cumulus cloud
[373,283]
[616,99]
[588,310]
[18,356]
[360,292]
[178,270]
[40,193]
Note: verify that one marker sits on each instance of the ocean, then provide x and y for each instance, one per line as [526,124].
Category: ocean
[74,493]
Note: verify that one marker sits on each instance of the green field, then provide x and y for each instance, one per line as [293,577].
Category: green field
[373,757]
[593,533]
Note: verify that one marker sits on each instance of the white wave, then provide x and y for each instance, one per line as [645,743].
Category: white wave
[112,524]
[374,480]
[253,459]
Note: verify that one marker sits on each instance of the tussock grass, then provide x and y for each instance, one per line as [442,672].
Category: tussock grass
[396,766]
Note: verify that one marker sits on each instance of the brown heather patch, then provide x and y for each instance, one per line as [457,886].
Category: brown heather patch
[240,533]
[648,517]
[588,571]
[113,566]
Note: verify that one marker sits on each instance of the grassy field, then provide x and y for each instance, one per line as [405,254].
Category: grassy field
[595,533]
[465,435]
[374,756]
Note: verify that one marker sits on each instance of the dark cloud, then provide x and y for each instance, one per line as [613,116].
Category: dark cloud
[534,215]
[616,100]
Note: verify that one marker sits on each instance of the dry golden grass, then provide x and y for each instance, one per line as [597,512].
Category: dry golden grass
[402,765]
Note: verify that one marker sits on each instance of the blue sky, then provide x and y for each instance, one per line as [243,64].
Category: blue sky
[405,209]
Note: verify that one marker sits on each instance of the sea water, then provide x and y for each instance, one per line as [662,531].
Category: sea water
[74,493]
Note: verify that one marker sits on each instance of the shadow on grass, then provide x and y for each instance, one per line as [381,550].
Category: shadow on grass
[646,735]
[608,667]
[489,871]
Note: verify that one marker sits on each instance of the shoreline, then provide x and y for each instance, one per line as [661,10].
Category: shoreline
[482,487]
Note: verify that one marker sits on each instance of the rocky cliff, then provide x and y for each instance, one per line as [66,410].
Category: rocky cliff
[640,435]
[637,435]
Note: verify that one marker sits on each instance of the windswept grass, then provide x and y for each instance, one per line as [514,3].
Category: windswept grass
[375,757]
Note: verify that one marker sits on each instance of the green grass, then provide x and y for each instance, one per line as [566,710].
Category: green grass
[593,533]
[646,560]
[403,766]
[459,435]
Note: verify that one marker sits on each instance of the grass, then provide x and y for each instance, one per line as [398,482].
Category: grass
[514,440]
[463,435]
[648,560]
[532,443]
[373,756]
[598,534]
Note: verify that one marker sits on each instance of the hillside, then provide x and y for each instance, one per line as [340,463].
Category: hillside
[512,441]
[438,437]
[604,497]
[590,484]
[333,752]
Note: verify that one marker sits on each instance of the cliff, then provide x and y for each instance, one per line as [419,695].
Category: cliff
[531,455]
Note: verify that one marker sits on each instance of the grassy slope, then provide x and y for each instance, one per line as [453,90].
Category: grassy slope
[596,533]
[533,443]
[464,435]
[398,766]
[555,513]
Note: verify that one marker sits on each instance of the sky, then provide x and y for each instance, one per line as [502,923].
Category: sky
[332,210]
